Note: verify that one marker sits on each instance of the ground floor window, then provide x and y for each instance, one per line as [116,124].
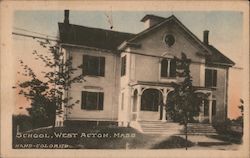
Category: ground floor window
[92,100]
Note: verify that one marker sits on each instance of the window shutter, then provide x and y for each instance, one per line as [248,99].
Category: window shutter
[123,66]
[84,100]
[172,68]
[101,99]
[85,65]
[102,66]
[214,78]
[164,68]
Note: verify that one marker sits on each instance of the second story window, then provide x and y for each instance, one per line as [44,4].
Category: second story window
[123,66]
[210,78]
[168,68]
[93,65]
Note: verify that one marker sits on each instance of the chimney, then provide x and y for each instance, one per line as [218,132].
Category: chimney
[66,16]
[205,37]
[151,20]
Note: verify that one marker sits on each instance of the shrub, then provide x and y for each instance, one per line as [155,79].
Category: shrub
[227,133]
[21,121]
[173,142]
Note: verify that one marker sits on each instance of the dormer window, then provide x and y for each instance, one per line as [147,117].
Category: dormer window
[168,68]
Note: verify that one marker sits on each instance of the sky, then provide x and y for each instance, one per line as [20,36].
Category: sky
[225,34]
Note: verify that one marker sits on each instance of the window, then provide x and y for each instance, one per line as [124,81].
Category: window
[93,66]
[168,68]
[123,66]
[92,100]
[210,78]
[213,107]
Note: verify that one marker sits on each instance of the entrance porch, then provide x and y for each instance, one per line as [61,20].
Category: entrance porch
[149,102]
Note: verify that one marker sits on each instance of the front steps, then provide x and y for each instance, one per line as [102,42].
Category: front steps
[200,129]
[170,128]
[159,127]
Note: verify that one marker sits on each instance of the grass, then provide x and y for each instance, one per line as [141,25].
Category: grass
[228,138]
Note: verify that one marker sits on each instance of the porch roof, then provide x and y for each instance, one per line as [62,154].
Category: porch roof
[150,83]
[168,84]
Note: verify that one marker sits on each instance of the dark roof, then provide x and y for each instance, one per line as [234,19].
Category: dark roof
[218,57]
[92,37]
[110,40]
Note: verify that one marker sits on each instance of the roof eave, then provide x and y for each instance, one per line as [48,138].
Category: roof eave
[128,44]
[222,64]
[87,47]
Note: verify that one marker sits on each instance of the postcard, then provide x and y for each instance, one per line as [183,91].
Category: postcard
[124,79]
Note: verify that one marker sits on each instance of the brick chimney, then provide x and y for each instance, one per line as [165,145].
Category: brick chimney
[205,37]
[66,16]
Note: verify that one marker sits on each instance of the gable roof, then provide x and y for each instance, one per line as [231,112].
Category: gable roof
[212,55]
[217,57]
[162,22]
[92,37]
[111,40]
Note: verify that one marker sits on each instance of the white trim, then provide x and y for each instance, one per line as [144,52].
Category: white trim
[202,75]
[92,119]
[87,47]
[92,90]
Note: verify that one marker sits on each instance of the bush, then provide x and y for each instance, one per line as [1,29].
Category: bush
[227,133]
[173,142]
[23,122]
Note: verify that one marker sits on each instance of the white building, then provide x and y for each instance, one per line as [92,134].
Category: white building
[128,76]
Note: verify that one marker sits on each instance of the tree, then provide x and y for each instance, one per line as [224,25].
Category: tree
[241,117]
[186,102]
[47,94]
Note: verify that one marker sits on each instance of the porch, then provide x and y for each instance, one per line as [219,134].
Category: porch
[149,101]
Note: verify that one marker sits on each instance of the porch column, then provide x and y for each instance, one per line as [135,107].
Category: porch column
[130,111]
[164,105]
[138,104]
[201,114]
[210,109]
